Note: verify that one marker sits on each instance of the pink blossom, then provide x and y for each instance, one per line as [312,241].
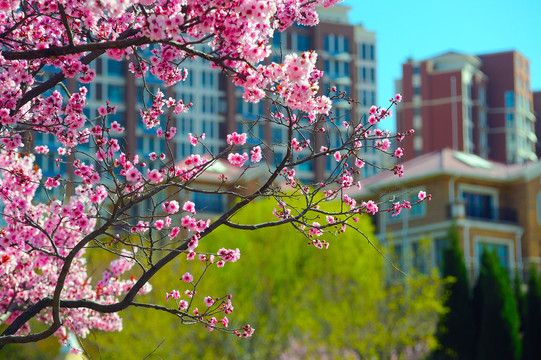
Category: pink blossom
[158,224]
[192,139]
[187,277]
[154,176]
[370,207]
[234,138]
[171,207]
[209,301]
[422,195]
[237,159]
[42,149]
[183,305]
[256,154]
[189,207]
[174,232]
[102,110]
[133,175]
[383,145]
[115,126]
[51,183]
[175,294]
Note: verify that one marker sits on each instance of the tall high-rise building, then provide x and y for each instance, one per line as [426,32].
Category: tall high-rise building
[347,54]
[537,113]
[475,104]
[511,120]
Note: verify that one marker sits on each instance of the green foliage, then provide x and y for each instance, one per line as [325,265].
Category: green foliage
[456,330]
[521,300]
[499,318]
[408,315]
[532,327]
[302,301]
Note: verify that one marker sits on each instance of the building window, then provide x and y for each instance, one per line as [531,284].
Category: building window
[415,69]
[115,68]
[509,99]
[304,43]
[539,207]
[482,96]
[208,202]
[419,257]
[501,250]
[277,135]
[336,44]
[277,40]
[416,90]
[509,120]
[327,43]
[345,71]
[398,257]
[116,93]
[99,91]
[440,245]
[99,66]
[479,205]
[372,52]
[416,211]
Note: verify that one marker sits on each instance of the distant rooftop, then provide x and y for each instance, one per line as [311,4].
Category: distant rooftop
[451,163]
[334,14]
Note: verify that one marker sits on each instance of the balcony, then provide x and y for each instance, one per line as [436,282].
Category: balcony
[486,213]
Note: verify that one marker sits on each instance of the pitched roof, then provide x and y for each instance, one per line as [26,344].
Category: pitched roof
[222,166]
[451,163]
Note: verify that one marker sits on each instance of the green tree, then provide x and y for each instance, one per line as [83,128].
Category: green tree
[303,302]
[456,330]
[532,326]
[499,318]
[521,300]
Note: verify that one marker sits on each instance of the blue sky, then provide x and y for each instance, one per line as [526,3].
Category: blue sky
[422,29]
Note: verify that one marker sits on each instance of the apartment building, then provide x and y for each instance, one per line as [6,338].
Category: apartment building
[480,105]
[493,205]
[346,52]
[537,113]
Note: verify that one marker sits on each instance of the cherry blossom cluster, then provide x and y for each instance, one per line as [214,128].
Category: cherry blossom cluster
[212,306]
[44,242]
[28,275]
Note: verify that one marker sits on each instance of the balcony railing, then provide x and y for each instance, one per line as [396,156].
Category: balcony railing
[488,213]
